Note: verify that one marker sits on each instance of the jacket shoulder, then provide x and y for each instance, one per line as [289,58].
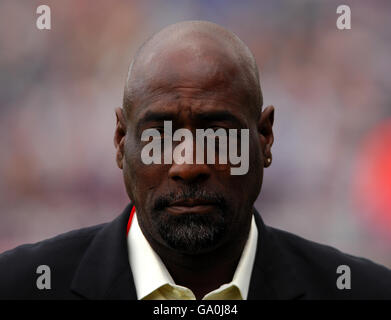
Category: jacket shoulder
[324,268]
[19,266]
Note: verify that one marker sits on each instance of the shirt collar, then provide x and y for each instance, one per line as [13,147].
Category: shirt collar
[150,273]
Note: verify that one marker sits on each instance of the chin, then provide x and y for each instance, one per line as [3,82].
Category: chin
[191,233]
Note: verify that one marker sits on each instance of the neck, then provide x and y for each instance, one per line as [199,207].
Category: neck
[208,276]
[204,272]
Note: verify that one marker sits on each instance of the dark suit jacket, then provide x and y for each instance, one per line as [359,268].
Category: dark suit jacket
[92,263]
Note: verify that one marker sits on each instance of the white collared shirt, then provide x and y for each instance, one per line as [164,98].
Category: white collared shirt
[153,281]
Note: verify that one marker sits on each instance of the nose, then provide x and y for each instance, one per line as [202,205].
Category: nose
[189,173]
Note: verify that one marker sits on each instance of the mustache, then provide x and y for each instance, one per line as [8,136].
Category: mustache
[190,193]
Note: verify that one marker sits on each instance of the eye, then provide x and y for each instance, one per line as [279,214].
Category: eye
[160,129]
[152,133]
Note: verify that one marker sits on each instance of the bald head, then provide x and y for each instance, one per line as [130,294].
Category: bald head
[197,55]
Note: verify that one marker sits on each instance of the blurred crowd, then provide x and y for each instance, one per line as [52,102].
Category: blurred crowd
[330,180]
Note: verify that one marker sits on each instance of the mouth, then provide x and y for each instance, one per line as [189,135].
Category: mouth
[189,206]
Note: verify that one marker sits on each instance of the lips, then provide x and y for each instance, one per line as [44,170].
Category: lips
[191,206]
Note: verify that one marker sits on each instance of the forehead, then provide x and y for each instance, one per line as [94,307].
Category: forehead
[186,68]
[200,79]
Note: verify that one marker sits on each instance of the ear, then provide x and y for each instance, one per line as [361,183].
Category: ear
[265,130]
[119,136]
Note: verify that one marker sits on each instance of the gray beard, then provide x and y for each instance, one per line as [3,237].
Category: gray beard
[190,233]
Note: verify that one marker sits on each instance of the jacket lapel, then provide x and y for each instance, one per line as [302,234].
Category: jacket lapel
[104,271]
[273,276]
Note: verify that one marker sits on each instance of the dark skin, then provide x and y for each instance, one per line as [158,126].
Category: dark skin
[189,78]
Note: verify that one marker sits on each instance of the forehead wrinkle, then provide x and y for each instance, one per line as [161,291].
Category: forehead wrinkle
[213,86]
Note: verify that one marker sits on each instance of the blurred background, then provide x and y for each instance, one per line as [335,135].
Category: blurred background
[330,180]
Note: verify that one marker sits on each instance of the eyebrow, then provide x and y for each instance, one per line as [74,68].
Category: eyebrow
[210,116]
[154,116]
[220,115]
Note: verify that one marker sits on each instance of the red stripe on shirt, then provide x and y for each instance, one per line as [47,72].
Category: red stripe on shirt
[130,219]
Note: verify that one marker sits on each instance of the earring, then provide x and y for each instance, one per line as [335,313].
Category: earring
[268,160]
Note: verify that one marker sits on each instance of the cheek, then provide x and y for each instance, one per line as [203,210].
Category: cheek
[243,190]
[140,179]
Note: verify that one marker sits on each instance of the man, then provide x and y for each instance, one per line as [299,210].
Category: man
[190,231]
